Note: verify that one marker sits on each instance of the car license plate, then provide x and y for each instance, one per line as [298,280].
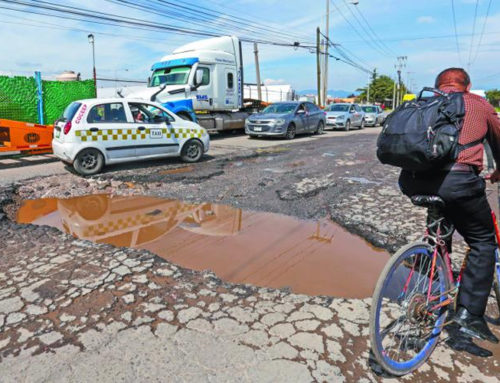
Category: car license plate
[257,129]
[155,133]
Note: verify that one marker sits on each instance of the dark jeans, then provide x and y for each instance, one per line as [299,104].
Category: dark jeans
[469,211]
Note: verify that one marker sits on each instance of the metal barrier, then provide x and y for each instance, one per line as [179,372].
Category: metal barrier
[25,137]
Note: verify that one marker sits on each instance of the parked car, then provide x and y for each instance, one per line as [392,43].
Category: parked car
[286,119]
[345,116]
[97,132]
[373,115]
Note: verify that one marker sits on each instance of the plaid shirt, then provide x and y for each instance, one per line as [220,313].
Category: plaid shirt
[481,121]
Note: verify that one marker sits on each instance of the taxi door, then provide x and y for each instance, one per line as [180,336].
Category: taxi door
[154,132]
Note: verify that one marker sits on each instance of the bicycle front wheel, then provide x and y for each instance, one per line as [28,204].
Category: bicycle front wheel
[408,309]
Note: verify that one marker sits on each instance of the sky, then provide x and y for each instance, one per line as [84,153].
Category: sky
[373,33]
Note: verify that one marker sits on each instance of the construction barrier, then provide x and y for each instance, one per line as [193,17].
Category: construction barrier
[25,137]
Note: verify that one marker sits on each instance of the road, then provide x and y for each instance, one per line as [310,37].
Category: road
[15,170]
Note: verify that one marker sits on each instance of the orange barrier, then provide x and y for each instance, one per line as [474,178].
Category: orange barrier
[25,137]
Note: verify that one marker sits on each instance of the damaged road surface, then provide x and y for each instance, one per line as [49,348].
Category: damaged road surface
[129,283]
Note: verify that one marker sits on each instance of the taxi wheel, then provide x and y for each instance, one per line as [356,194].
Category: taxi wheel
[192,151]
[88,162]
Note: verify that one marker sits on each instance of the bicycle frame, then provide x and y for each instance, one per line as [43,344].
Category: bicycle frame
[441,248]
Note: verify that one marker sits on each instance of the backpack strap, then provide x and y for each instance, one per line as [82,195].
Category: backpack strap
[461,148]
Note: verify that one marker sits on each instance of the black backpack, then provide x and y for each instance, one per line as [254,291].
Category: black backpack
[422,134]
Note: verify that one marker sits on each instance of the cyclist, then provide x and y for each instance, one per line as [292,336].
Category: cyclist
[463,191]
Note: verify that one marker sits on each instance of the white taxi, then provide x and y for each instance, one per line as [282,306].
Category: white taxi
[97,132]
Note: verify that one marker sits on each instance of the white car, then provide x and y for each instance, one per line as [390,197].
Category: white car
[97,132]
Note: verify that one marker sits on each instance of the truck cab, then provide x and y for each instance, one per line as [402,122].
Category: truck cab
[199,81]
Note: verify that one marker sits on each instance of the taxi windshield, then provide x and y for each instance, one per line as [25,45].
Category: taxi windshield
[369,109]
[170,76]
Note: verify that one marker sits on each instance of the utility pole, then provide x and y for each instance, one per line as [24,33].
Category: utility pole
[327,43]
[92,42]
[257,69]
[399,67]
[394,96]
[368,91]
[318,64]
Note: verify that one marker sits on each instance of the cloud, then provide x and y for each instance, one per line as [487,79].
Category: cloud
[426,20]
[271,81]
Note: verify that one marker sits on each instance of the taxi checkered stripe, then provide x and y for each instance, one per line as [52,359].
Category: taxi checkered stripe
[133,134]
[130,221]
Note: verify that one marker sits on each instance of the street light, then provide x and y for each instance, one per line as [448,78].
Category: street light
[91,41]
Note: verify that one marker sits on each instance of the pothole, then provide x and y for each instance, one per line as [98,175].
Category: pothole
[240,246]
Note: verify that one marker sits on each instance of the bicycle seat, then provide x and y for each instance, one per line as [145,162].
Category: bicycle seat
[428,201]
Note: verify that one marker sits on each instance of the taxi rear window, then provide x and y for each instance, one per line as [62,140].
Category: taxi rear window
[70,111]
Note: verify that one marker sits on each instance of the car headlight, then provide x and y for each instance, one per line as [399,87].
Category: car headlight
[341,117]
[280,122]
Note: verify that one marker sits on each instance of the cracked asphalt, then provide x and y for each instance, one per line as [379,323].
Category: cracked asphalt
[73,310]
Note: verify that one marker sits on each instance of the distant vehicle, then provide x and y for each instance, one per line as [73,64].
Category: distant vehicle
[286,119]
[409,97]
[97,132]
[345,116]
[374,115]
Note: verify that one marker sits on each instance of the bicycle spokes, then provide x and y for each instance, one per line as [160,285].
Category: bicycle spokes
[410,306]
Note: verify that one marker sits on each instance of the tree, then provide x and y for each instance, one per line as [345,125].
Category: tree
[381,89]
[493,96]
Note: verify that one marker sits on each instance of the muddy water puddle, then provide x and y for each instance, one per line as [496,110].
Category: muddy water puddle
[264,249]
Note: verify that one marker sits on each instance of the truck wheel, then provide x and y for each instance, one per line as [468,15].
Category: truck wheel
[290,132]
[185,116]
[88,162]
[192,151]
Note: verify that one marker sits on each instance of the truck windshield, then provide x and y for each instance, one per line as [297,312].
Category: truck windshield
[338,108]
[170,76]
[280,108]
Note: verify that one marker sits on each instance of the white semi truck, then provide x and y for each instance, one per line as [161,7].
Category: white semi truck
[203,81]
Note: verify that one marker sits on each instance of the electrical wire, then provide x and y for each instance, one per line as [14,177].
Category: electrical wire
[368,42]
[97,17]
[455,28]
[482,31]
[374,33]
[379,45]
[472,38]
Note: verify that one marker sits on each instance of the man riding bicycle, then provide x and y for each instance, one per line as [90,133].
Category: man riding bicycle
[467,207]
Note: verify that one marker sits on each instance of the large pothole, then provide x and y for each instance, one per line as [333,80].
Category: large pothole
[264,249]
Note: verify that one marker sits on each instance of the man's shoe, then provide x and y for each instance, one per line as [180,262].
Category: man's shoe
[474,325]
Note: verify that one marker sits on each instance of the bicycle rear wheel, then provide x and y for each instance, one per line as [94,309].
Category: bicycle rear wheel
[404,324]
[492,313]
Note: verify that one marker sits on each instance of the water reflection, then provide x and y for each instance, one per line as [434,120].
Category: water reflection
[239,246]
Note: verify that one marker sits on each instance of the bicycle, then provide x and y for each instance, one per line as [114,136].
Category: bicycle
[414,293]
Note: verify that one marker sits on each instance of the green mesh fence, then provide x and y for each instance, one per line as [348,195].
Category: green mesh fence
[18,98]
[57,95]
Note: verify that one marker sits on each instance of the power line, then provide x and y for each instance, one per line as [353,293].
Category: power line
[238,20]
[374,33]
[377,44]
[345,57]
[482,32]
[455,28]
[97,17]
[368,42]
[472,38]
